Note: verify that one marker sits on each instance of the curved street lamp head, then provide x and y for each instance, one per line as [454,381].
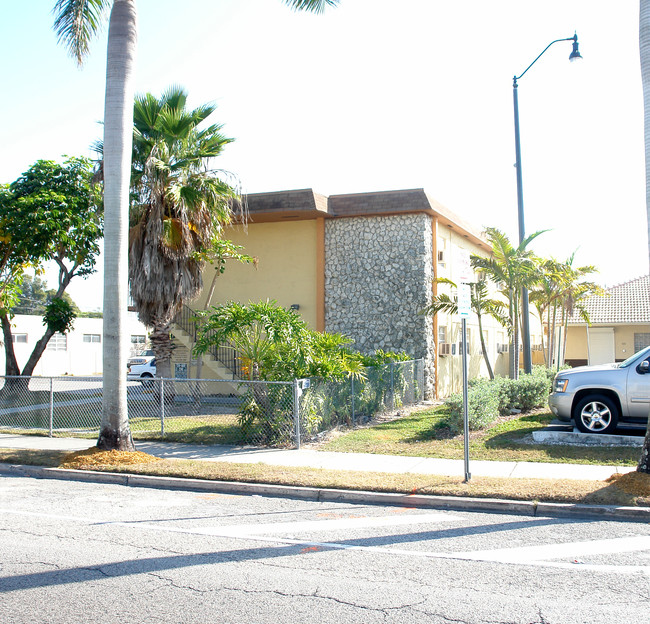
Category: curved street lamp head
[575,54]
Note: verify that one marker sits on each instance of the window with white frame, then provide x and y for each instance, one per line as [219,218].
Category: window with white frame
[442,252]
[138,339]
[92,338]
[442,334]
[468,336]
[58,342]
[21,338]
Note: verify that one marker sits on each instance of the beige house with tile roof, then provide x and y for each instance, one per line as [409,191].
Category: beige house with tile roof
[620,325]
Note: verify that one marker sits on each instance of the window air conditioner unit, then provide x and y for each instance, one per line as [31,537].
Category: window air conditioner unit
[441,256]
[444,348]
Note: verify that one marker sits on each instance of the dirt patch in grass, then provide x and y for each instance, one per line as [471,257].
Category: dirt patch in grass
[94,458]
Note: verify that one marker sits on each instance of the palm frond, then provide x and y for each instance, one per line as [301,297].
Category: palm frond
[76,22]
[312,6]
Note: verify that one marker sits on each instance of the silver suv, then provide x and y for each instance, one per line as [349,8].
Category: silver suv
[598,398]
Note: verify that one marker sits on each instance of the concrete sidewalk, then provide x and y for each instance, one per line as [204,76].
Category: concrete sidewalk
[337,461]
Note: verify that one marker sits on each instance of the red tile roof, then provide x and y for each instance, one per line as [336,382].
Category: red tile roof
[624,303]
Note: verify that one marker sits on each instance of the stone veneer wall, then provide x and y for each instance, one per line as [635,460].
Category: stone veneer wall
[378,273]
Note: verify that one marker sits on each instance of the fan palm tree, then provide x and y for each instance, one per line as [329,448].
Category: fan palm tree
[180,207]
[481,304]
[512,269]
[76,22]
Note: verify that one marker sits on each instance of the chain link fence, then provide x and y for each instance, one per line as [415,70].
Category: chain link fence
[204,411]
[326,405]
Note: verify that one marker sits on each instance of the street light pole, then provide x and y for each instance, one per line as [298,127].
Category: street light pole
[574,56]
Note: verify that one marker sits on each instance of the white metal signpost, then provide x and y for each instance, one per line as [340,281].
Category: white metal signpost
[464,298]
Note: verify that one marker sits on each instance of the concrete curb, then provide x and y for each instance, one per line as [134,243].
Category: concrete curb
[605,512]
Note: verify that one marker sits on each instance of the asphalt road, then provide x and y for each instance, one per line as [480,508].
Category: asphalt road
[75,552]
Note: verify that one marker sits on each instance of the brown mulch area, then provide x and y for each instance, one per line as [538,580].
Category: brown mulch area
[93,458]
[635,483]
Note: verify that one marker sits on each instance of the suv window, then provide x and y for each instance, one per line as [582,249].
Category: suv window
[629,360]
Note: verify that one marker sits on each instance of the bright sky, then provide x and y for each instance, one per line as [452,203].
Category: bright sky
[377,95]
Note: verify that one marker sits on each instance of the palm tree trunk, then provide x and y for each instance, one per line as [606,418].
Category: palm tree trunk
[115,432]
[483,347]
[541,319]
[515,338]
[644,49]
[561,339]
[162,348]
[551,346]
[566,329]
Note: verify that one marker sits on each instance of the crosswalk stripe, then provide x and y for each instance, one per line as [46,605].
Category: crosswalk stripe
[538,556]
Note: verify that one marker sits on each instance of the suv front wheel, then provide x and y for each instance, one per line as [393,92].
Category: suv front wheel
[596,413]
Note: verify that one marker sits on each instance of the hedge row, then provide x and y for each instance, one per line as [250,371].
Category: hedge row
[488,399]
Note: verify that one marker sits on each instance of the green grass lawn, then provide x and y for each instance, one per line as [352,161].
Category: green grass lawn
[218,429]
[424,434]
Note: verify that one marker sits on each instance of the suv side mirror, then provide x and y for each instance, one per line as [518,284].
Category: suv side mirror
[644,367]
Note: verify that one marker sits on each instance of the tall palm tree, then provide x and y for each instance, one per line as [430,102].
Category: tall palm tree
[574,290]
[561,290]
[544,296]
[180,207]
[644,49]
[76,23]
[512,269]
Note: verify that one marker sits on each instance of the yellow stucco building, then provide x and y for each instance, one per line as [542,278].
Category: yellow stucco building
[359,264]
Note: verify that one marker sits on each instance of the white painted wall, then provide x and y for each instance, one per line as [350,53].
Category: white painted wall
[79,357]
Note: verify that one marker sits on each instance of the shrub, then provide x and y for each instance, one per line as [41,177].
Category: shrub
[482,407]
[488,399]
[532,390]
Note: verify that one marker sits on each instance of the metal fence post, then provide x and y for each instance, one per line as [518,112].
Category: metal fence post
[162,408]
[51,406]
[296,411]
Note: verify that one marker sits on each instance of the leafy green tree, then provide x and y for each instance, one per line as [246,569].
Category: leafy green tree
[512,269]
[275,344]
[76,23]
[34,297]
[52,213]
[482,304]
